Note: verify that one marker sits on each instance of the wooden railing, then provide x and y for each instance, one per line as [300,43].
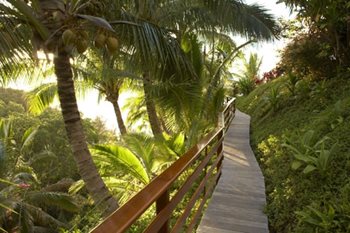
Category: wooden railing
[202,165]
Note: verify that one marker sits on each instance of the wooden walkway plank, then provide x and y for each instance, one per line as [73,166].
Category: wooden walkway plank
[238,200]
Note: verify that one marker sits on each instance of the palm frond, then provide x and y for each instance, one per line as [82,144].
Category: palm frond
[76,187]
[148,40]
[248,20]
[42,218]
[228,16]
[46,155]
[60,200]
[26,220]
[143,147]
[41,97]
[28,14]
[28,137]
[137,111]
[120,158]
[5,129]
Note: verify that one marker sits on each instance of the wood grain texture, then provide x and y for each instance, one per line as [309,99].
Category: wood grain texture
[238,201]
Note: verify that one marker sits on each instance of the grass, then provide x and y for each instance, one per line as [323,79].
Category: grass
[299,202]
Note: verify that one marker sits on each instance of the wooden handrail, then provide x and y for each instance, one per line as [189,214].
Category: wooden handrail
[157,191]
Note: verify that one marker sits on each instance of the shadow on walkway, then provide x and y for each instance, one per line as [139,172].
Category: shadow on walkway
[239,198]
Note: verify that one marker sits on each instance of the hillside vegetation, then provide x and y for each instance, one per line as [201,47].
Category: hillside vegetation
[301,122]
[300,133]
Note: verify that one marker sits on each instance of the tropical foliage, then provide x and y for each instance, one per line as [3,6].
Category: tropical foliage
[302,145]
[175,55]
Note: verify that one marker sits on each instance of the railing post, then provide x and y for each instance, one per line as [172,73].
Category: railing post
[219,151]
[161,203]
[221,120]
[205,172]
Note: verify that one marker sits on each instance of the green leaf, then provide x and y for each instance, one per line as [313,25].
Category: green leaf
[307,138]
[186,44]
[41,97]
[28,137]
[42,218]
[331,212]
[24,9]
[8,208]
[306,217]
[296,164]
[308,169]
[100,22]
[76,187]
[60,200]
[7,182]
[305,158]
[43,156]
[121,158]
[25,219]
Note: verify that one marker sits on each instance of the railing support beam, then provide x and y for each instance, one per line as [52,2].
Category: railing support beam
[161,203]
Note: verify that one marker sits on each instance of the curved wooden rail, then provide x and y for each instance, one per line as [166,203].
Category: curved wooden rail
[203,161]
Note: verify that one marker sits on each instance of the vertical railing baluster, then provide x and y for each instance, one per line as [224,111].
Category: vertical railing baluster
[161,203]
[205,171]
[219,151]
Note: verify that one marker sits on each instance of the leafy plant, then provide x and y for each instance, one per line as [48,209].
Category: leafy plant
[273,98]
[312,154]
[246,85]
[291,83]
[24,206]
[320,221]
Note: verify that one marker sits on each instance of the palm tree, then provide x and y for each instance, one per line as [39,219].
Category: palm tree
[58,28]
[248,76]
[47,24]
[97,74]
[196,16]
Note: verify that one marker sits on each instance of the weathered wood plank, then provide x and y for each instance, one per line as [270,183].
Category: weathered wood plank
[238,201]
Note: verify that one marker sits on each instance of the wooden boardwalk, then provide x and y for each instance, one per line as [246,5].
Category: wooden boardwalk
[239,198]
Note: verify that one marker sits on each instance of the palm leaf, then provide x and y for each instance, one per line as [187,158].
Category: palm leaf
[43,156]
[151,41]
[60,200]
[120,158]
[26,220]
[5,129]
[7,182]
[76,187]
[26,11]
[42,218]
[143,147]
[41,97]
[28,137]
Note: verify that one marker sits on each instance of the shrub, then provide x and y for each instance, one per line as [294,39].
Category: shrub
[309,54]
[246,85]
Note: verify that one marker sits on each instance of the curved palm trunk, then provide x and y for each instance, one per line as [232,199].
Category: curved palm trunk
[151,109]
[118,113]
[76,136]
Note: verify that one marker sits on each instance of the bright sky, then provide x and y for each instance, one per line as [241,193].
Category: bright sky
[269,51]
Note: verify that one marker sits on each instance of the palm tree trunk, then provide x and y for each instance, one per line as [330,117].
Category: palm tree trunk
[118,115]
[76,136]
[151,108]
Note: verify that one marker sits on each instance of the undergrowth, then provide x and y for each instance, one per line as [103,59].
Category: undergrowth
[301,139]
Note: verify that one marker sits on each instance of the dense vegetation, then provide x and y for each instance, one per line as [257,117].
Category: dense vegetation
[302,143]
[62,172]
[300,123]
